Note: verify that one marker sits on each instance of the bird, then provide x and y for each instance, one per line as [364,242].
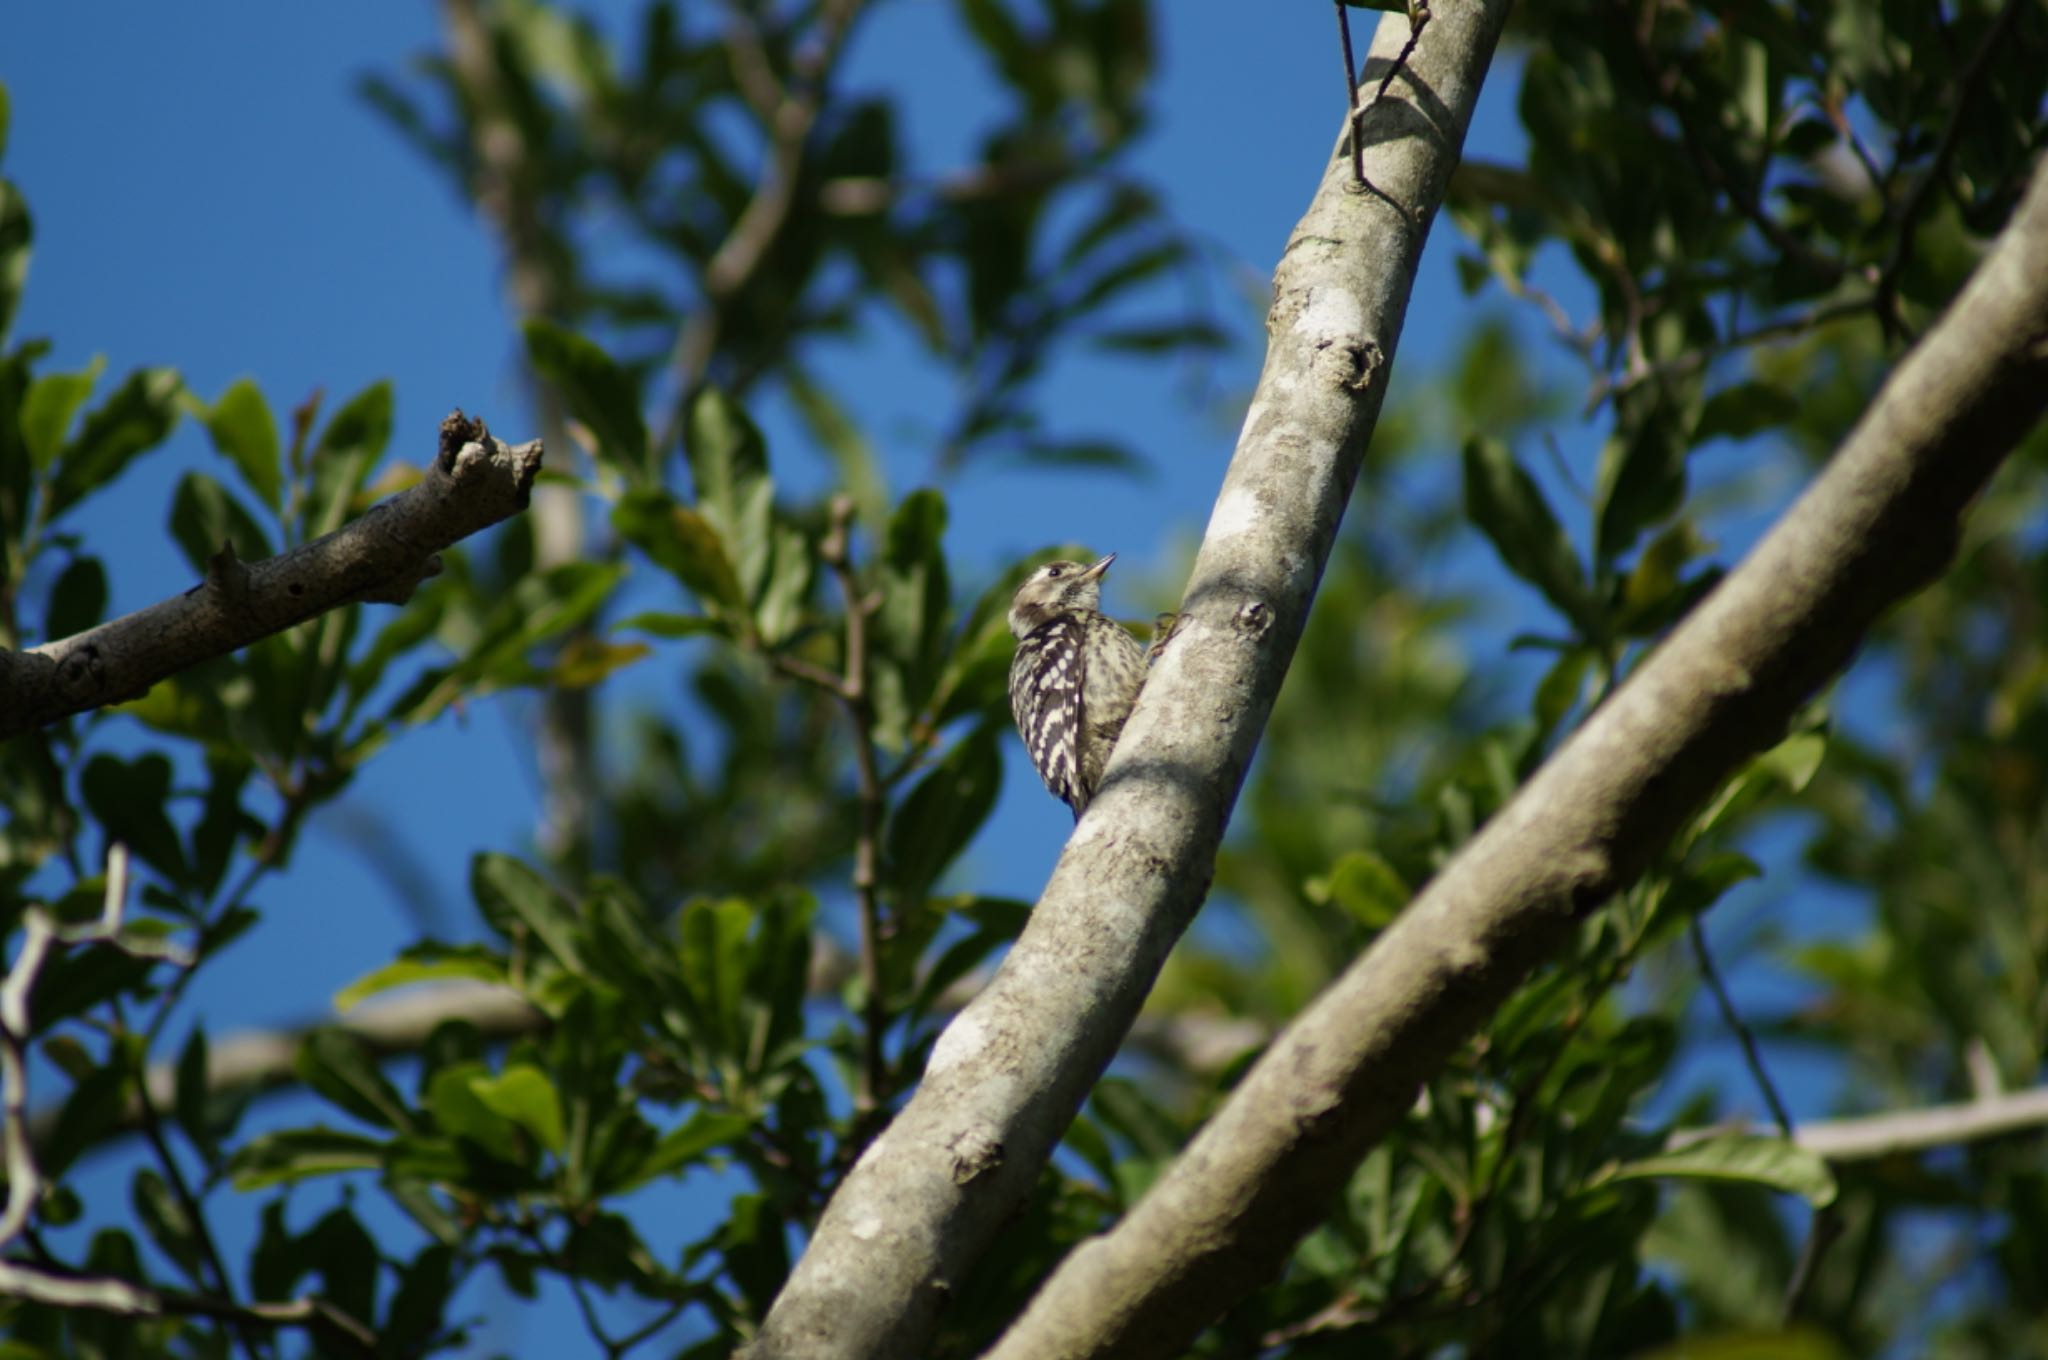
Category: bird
[1075,678]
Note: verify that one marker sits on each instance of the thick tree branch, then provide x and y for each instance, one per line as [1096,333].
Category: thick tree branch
[1005,1079]
[1881,521]
[382,555]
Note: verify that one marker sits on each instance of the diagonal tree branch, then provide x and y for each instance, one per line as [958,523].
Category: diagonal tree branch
[1879,523]
[474,482]
[1004,1081]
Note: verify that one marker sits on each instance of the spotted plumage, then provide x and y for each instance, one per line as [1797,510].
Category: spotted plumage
[1076,676]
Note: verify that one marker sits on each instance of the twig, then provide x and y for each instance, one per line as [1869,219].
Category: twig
[174,1175]
[25,1179]
[1825,1226]
[1694,360]
[1751,1056]
[473,482]
[872,1092]
[1666,84]
[107,1295]
[1351,112]
[788,114]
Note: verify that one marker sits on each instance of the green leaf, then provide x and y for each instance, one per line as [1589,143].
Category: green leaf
[1750,1158]
[191,1099]
[348,449]
[754,1249]
[688,1142]
[682,542]
[998,921]
[1504,500]
[137,416]
[1745,410]
[1365,886]
[1701,884]
[51,405]
[461,1113]
[346,1257]
[834,430]
[1163,339]
[781,608]
[340,1066]
[941,815]
[1790,764]
[512,895]
[729,467]
[91,1112]
[78,599]
[163,1217]
[130,799]
[223,822]
[16,232]
[246,434]
[1640,482]
[295,1154]
[598,392]
[1105,454]
[911,626]
[524,1095]
[539,607]
[426,963]
[205,515]
[658,624]
[419,1303]
[714,965]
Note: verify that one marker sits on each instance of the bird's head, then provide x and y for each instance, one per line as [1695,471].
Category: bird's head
[1054,589]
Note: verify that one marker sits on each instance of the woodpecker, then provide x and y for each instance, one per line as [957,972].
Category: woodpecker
[1076,676]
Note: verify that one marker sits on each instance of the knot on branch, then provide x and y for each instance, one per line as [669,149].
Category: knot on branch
[227,579]
[457,431]
[974,1153]
[83,670]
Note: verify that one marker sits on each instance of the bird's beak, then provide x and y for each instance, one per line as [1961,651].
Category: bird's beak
[1094,573]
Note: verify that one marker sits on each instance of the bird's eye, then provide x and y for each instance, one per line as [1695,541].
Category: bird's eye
[1054,573]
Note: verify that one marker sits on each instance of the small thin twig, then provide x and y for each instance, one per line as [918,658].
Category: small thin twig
[1752,1057]
[174,1176]
[1825,1225]
[787,113]
[872,1092]
[1666,84]
[1351,113]
[25,1180]
[1692,361]
[1418,19]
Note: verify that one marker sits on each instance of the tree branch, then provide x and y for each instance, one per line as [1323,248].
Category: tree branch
[787,115]
[1004,1080]
[25,1186]
[381,555]
[265,1059]
[1880,522]
[510,191]
[1887,1135]
[871,1094]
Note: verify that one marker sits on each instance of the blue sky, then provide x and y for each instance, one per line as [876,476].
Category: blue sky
[210,194]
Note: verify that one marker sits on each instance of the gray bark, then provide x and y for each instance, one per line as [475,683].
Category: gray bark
[474,482]
[1005,1079]
[1881,521]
